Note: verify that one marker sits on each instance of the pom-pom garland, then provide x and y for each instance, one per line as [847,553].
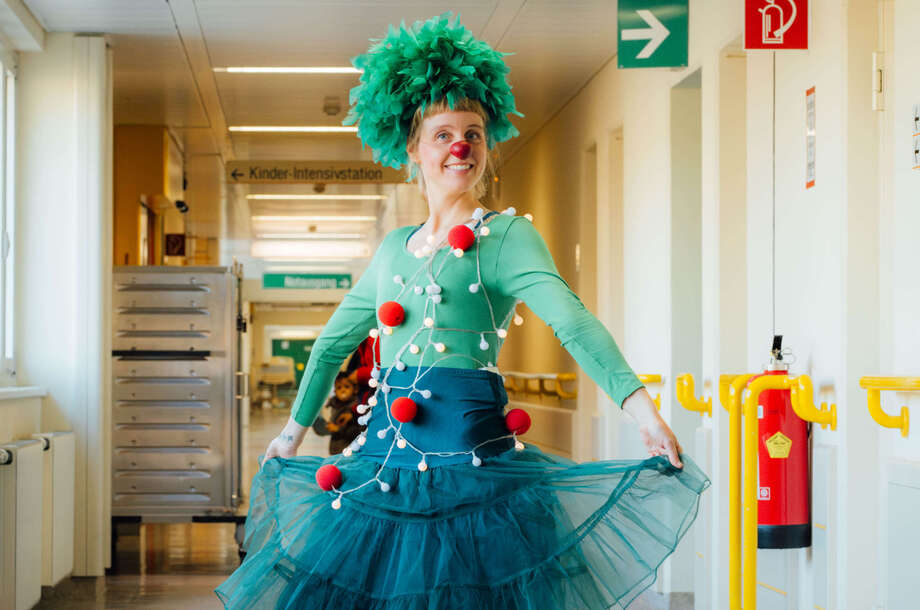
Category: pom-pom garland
[413,67]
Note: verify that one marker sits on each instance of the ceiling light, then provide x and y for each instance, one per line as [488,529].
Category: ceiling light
[317,236]
[324,197]
[293,128]
[290,70]
[316,218]
[308,250]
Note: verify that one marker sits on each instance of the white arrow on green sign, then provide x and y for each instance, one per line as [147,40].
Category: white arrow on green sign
[652,33]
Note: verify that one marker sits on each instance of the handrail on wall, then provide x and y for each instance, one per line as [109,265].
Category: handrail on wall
[688,400]
[726,389]
[538,384]
[743,591]
[874,387]
[655,378]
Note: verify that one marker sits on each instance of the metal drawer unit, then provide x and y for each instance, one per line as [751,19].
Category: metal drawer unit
[175,416]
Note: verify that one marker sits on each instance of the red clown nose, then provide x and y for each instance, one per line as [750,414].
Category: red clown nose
[460,149]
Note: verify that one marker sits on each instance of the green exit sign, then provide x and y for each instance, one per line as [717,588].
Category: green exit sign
[306,281]
[652,33]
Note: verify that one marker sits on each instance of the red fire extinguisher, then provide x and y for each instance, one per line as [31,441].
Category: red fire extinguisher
[783,488]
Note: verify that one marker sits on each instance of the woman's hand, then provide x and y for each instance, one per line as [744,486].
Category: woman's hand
[286,443]
[655,433]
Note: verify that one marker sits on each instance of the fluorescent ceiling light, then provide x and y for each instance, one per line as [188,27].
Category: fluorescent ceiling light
[324,197]
[311,236]
[290,70]
[316,218]
[293,128]
[295,334]
[308,250]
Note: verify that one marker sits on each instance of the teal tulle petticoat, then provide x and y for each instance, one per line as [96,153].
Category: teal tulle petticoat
[526,530]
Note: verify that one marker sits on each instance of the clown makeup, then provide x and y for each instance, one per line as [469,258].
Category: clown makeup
[451,151]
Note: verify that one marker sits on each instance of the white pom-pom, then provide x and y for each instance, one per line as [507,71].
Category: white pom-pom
[362,439]
[518,445]
[387,330]
[440,347]
[484,231]
[401,443]
[502,333]
[372,401]
[398,279]
[529,217]
[362,409]
[423,465]
[430,239]
[477,213]
[435,298]
[363,419]
[375,373]
[400,365]
[413,348]
[384,486]
[372,382]
[419,253]
[337,504]
[433,289]
[483,344]
[374,333]
[477,461]
[419,290]
[458,253]
[518,319]
[346,451]
[509,211]
[426,250]
[426,394]
[429,322]
[385,389]
[474,288]
[382,434]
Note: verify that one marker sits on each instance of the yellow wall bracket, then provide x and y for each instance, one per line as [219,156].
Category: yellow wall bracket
[874,387]
[804,406]
[647,379]
[725,390]
[686,397]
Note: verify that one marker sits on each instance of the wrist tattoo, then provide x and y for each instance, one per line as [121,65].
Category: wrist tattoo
[287,438]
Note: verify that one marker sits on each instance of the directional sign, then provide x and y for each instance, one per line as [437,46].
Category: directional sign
[327,172]
[652,33]
[304,281]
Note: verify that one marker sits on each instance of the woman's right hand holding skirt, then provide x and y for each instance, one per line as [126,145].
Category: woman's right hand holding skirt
[288,440]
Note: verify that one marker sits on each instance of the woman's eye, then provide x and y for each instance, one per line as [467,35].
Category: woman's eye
[439,136]
[473,135]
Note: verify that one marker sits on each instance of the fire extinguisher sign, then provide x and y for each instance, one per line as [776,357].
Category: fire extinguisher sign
[775,24]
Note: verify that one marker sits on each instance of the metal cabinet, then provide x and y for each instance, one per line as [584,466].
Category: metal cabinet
[175,410]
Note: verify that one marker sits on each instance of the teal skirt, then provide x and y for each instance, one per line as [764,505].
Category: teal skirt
[524,529]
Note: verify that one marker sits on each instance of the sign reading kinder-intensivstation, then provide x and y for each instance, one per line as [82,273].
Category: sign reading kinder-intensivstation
[327,172]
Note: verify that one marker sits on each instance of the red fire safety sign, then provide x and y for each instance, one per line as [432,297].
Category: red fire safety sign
[775,24]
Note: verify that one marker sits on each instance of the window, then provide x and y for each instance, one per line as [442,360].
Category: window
[7,220]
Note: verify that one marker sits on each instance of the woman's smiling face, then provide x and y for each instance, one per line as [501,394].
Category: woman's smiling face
[446,163]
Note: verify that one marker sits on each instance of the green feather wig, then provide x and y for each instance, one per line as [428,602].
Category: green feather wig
[412,67]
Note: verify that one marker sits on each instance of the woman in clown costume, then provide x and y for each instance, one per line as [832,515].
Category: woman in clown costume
[438,504]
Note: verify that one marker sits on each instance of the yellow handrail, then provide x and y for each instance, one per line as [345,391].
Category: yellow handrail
[537,384]
[734,491]
[748,593]
[803,404]
[874,387]
[646,379]
[686,397]
[725,389]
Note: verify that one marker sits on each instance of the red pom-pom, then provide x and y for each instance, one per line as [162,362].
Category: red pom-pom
[391,313]
[460,149]
[461,237]
[517,421]
[404,409]
[328,477]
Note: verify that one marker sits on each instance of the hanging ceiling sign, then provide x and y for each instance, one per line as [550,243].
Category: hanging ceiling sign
[775,24]
[299,172]
[652,33]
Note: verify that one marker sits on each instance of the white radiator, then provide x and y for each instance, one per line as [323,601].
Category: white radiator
[57,506]
[20,524]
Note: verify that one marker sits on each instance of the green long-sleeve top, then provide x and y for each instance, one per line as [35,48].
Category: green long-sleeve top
[469,302]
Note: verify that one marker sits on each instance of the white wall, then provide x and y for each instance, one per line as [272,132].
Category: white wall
[832,241]
[63,279]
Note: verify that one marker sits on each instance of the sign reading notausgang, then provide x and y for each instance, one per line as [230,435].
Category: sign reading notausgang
[328,172]
[652,33]
[306,281]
